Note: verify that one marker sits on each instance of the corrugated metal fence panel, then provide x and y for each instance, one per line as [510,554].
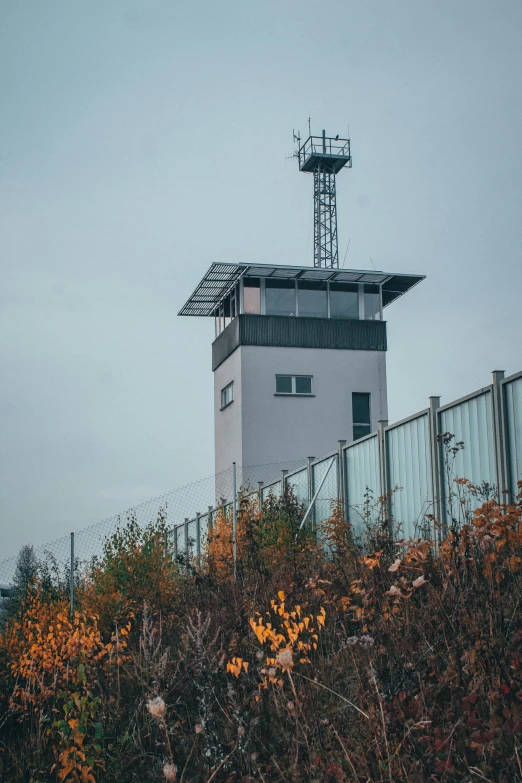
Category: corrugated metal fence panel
[408,447]
[471,422]
[274,488]
[362,472]
[299,483]
[328,493]
[513,404]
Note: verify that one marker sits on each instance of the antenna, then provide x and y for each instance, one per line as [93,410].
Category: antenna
[323,156]
[347,249]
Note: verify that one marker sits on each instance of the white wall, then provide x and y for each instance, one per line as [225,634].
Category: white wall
[260,428]
[227,422]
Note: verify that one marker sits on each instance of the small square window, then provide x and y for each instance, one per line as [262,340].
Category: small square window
[303,384]
[294,384]
[227,395]
[283,384]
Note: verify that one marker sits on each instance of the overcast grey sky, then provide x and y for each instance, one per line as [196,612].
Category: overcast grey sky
[142,140]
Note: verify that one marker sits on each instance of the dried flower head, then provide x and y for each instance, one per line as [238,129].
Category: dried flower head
[157,709]
[285,659]
[240,731]
[198,728]
[170,771]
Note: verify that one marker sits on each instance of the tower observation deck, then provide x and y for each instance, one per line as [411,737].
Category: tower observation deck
[324,156]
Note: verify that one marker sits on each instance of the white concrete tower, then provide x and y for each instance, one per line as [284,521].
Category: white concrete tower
[299,356]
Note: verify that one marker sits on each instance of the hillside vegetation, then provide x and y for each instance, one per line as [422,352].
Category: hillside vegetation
[353,659]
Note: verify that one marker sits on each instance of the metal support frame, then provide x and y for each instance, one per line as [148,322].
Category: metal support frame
[326,250]
[499,424]
[316,493]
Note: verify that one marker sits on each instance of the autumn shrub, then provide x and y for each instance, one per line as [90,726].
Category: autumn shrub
[54,666]
[349,657]
[137,566]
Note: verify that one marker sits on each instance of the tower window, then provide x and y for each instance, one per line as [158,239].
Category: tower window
[280,297]
[344,300]
[227,395]
[372,302]
[252,295]
[312,298]
[298,385]
[361,414]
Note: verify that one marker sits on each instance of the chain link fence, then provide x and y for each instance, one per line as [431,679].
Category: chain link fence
[186,511]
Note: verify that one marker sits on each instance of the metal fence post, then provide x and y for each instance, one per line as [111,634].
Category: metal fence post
[176,540]
[72,576]
[234,517]
[198,534]
[284,474]
[383,462]
[341,476]
[499,430]
[435,461]
[310,476]
[186,536]
[210,518]
[260,492]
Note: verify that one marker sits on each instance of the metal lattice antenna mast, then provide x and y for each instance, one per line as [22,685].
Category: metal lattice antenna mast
[324,157]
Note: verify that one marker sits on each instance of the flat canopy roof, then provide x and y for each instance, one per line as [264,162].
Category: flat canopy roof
[221,277]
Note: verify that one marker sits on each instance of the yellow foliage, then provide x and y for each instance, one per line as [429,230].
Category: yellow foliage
[53,658]
[236,666]
[289,636]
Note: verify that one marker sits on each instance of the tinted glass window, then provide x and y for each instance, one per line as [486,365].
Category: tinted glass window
[313,302]
[280,297]
[284,384]
[344,300]
[361,408]
[303,384]
[372,302]
[252,295]
[360,430]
